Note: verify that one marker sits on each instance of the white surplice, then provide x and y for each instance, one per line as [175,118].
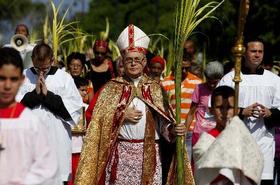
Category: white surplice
[264,89]
[233,154]
[59,130]
[27,157]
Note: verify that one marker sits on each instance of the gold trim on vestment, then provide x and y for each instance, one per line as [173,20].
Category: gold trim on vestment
[101,135]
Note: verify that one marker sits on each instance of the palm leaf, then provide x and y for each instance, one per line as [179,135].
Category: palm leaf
[188,16]
[46,29]
[157,46]
[60,30]
[105,34]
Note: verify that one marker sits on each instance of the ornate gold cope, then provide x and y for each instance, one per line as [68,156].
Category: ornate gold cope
[108,116]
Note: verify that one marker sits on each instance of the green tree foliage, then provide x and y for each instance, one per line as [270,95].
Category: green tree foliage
[261,20]
[13,10]
[153,16]
[157,16]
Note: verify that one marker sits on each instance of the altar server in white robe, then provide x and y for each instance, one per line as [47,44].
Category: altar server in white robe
[227,154]
[259,100]
[26,156]
[53,96]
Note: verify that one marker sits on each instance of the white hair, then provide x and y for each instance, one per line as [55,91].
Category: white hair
[214,70]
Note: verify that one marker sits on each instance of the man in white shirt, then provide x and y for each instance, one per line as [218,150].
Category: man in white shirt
[259,100]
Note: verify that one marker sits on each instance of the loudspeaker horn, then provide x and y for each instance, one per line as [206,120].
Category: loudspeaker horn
[19,42]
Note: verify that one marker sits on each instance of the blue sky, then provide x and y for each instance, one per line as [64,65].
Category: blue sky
[80,4]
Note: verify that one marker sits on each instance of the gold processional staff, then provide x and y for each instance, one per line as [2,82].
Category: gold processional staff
[238,50]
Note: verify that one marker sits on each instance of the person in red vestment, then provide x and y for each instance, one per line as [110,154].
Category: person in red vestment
[100,68]
[129,116]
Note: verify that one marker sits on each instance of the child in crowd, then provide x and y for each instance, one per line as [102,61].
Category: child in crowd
[26,156]
[227,154]
[156,67]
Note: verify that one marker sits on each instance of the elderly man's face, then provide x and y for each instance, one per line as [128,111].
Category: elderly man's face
[134,64]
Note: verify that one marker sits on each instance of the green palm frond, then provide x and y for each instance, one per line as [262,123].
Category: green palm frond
[77,41]
[162,49]
[188,16]
[60,29]
[114,49]
[105,34]
[33,37]
[46,29]
[170,58]
[158,45]
[153,44]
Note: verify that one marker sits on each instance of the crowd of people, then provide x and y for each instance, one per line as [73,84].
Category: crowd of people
[99,121]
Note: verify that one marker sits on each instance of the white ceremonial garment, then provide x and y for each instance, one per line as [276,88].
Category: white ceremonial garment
[59,130]
[263,89]
[233,154]
[131,131]
[27,158]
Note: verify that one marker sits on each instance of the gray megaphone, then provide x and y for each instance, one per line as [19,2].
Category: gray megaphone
[19,42]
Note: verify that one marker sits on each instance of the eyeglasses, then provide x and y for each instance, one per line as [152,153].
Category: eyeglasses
[42,69]
[130,60]
[42,65]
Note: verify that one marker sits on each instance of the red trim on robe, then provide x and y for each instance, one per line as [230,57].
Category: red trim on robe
[17,109]
[214,132]
[75,161]
[91,106]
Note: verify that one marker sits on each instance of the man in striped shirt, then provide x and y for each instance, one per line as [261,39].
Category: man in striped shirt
[189,81]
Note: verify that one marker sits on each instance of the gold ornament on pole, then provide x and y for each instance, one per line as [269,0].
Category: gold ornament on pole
[80,128]
[238,50]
